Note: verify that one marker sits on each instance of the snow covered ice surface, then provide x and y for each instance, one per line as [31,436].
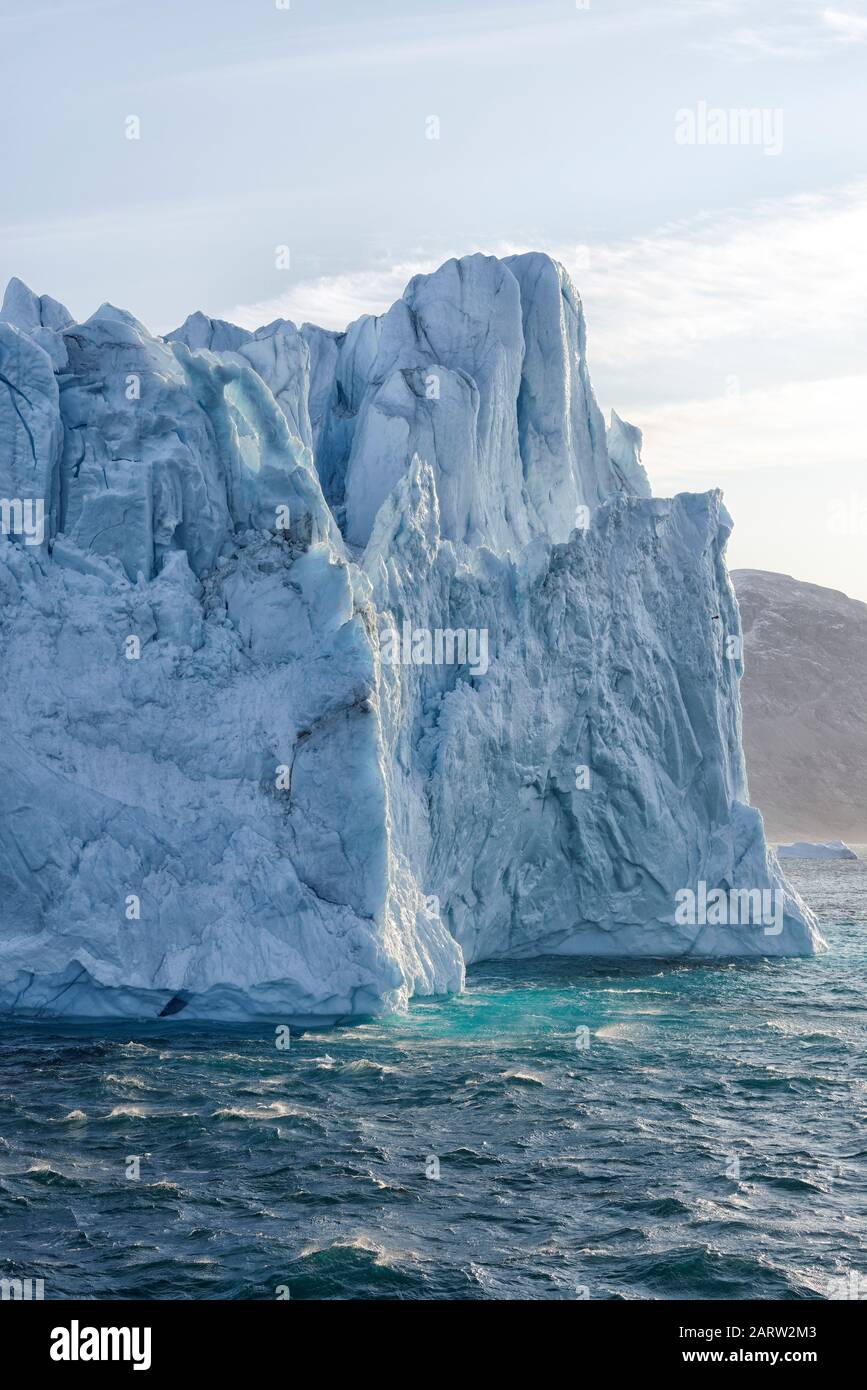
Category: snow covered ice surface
[343,660]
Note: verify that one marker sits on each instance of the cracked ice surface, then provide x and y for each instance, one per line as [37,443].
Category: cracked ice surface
[215,787]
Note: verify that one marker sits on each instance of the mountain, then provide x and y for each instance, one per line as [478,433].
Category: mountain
[340,660]
[804,712]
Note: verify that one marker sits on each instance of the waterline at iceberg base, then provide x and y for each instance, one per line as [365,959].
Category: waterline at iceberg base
[220,800]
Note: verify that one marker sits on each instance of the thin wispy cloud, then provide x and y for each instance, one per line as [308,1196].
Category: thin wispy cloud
[813,422]
[50,15]
[794,267]
[786,268]
[852,28]
[806,33]
[334,301]
[469,36]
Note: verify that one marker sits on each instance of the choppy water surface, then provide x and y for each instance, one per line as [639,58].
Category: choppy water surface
[612,1168]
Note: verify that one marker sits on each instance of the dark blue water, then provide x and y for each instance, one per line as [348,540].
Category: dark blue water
[612,1169]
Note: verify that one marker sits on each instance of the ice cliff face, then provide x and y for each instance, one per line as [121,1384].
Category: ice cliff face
[481,370]
[340,660]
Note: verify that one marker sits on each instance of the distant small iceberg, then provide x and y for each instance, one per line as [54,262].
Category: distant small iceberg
[803,849]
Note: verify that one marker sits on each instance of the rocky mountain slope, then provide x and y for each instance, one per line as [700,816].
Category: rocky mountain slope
[804,697]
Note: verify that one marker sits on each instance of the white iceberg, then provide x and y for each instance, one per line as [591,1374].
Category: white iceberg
[222,797]
[805,849]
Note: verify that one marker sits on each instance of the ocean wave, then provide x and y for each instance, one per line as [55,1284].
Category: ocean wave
[278,1109]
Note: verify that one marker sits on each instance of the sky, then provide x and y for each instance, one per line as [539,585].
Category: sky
[721,260]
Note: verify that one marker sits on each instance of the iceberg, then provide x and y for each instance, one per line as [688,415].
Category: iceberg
[804,849]
[346,660]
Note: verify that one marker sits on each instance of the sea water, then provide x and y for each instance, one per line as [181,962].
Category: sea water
[563,1130]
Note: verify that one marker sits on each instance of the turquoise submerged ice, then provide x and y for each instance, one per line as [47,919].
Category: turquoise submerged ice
[219,797]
